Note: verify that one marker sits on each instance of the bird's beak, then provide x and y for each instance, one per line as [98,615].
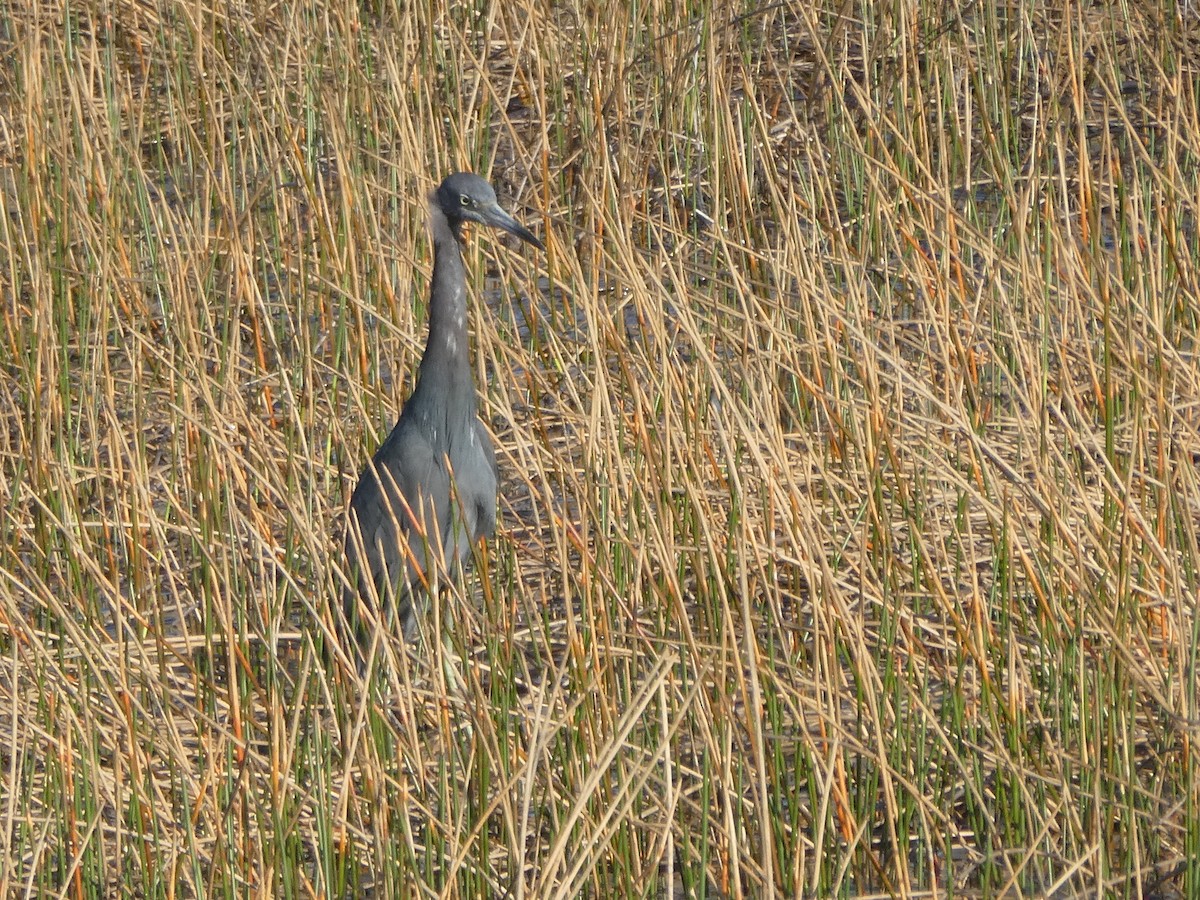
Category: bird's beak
[500,219]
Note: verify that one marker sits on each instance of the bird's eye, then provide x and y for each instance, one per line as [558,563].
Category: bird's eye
[464,199]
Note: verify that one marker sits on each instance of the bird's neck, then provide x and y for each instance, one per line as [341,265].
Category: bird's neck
[446,352]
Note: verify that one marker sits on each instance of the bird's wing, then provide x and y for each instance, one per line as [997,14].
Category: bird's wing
[412,466]
[401,504]
[485,442]
[485,525]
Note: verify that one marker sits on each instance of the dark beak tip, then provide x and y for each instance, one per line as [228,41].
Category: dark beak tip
[500,219]
[516,228]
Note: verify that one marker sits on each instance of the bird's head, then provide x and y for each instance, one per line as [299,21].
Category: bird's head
[465,197]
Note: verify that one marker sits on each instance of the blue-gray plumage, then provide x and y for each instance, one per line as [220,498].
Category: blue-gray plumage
[431,486]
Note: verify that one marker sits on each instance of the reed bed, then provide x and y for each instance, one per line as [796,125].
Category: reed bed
[848,437]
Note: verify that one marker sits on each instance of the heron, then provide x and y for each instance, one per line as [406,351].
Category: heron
[429,493]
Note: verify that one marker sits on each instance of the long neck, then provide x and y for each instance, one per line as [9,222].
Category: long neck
[446,356]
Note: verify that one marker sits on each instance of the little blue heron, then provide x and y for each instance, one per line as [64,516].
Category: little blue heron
[429,493]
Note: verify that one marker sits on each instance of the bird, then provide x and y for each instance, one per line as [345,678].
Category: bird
[429,493]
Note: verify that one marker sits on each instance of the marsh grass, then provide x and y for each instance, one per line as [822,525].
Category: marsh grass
[848,432]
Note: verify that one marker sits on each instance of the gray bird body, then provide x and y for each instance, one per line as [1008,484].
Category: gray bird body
[430,489]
